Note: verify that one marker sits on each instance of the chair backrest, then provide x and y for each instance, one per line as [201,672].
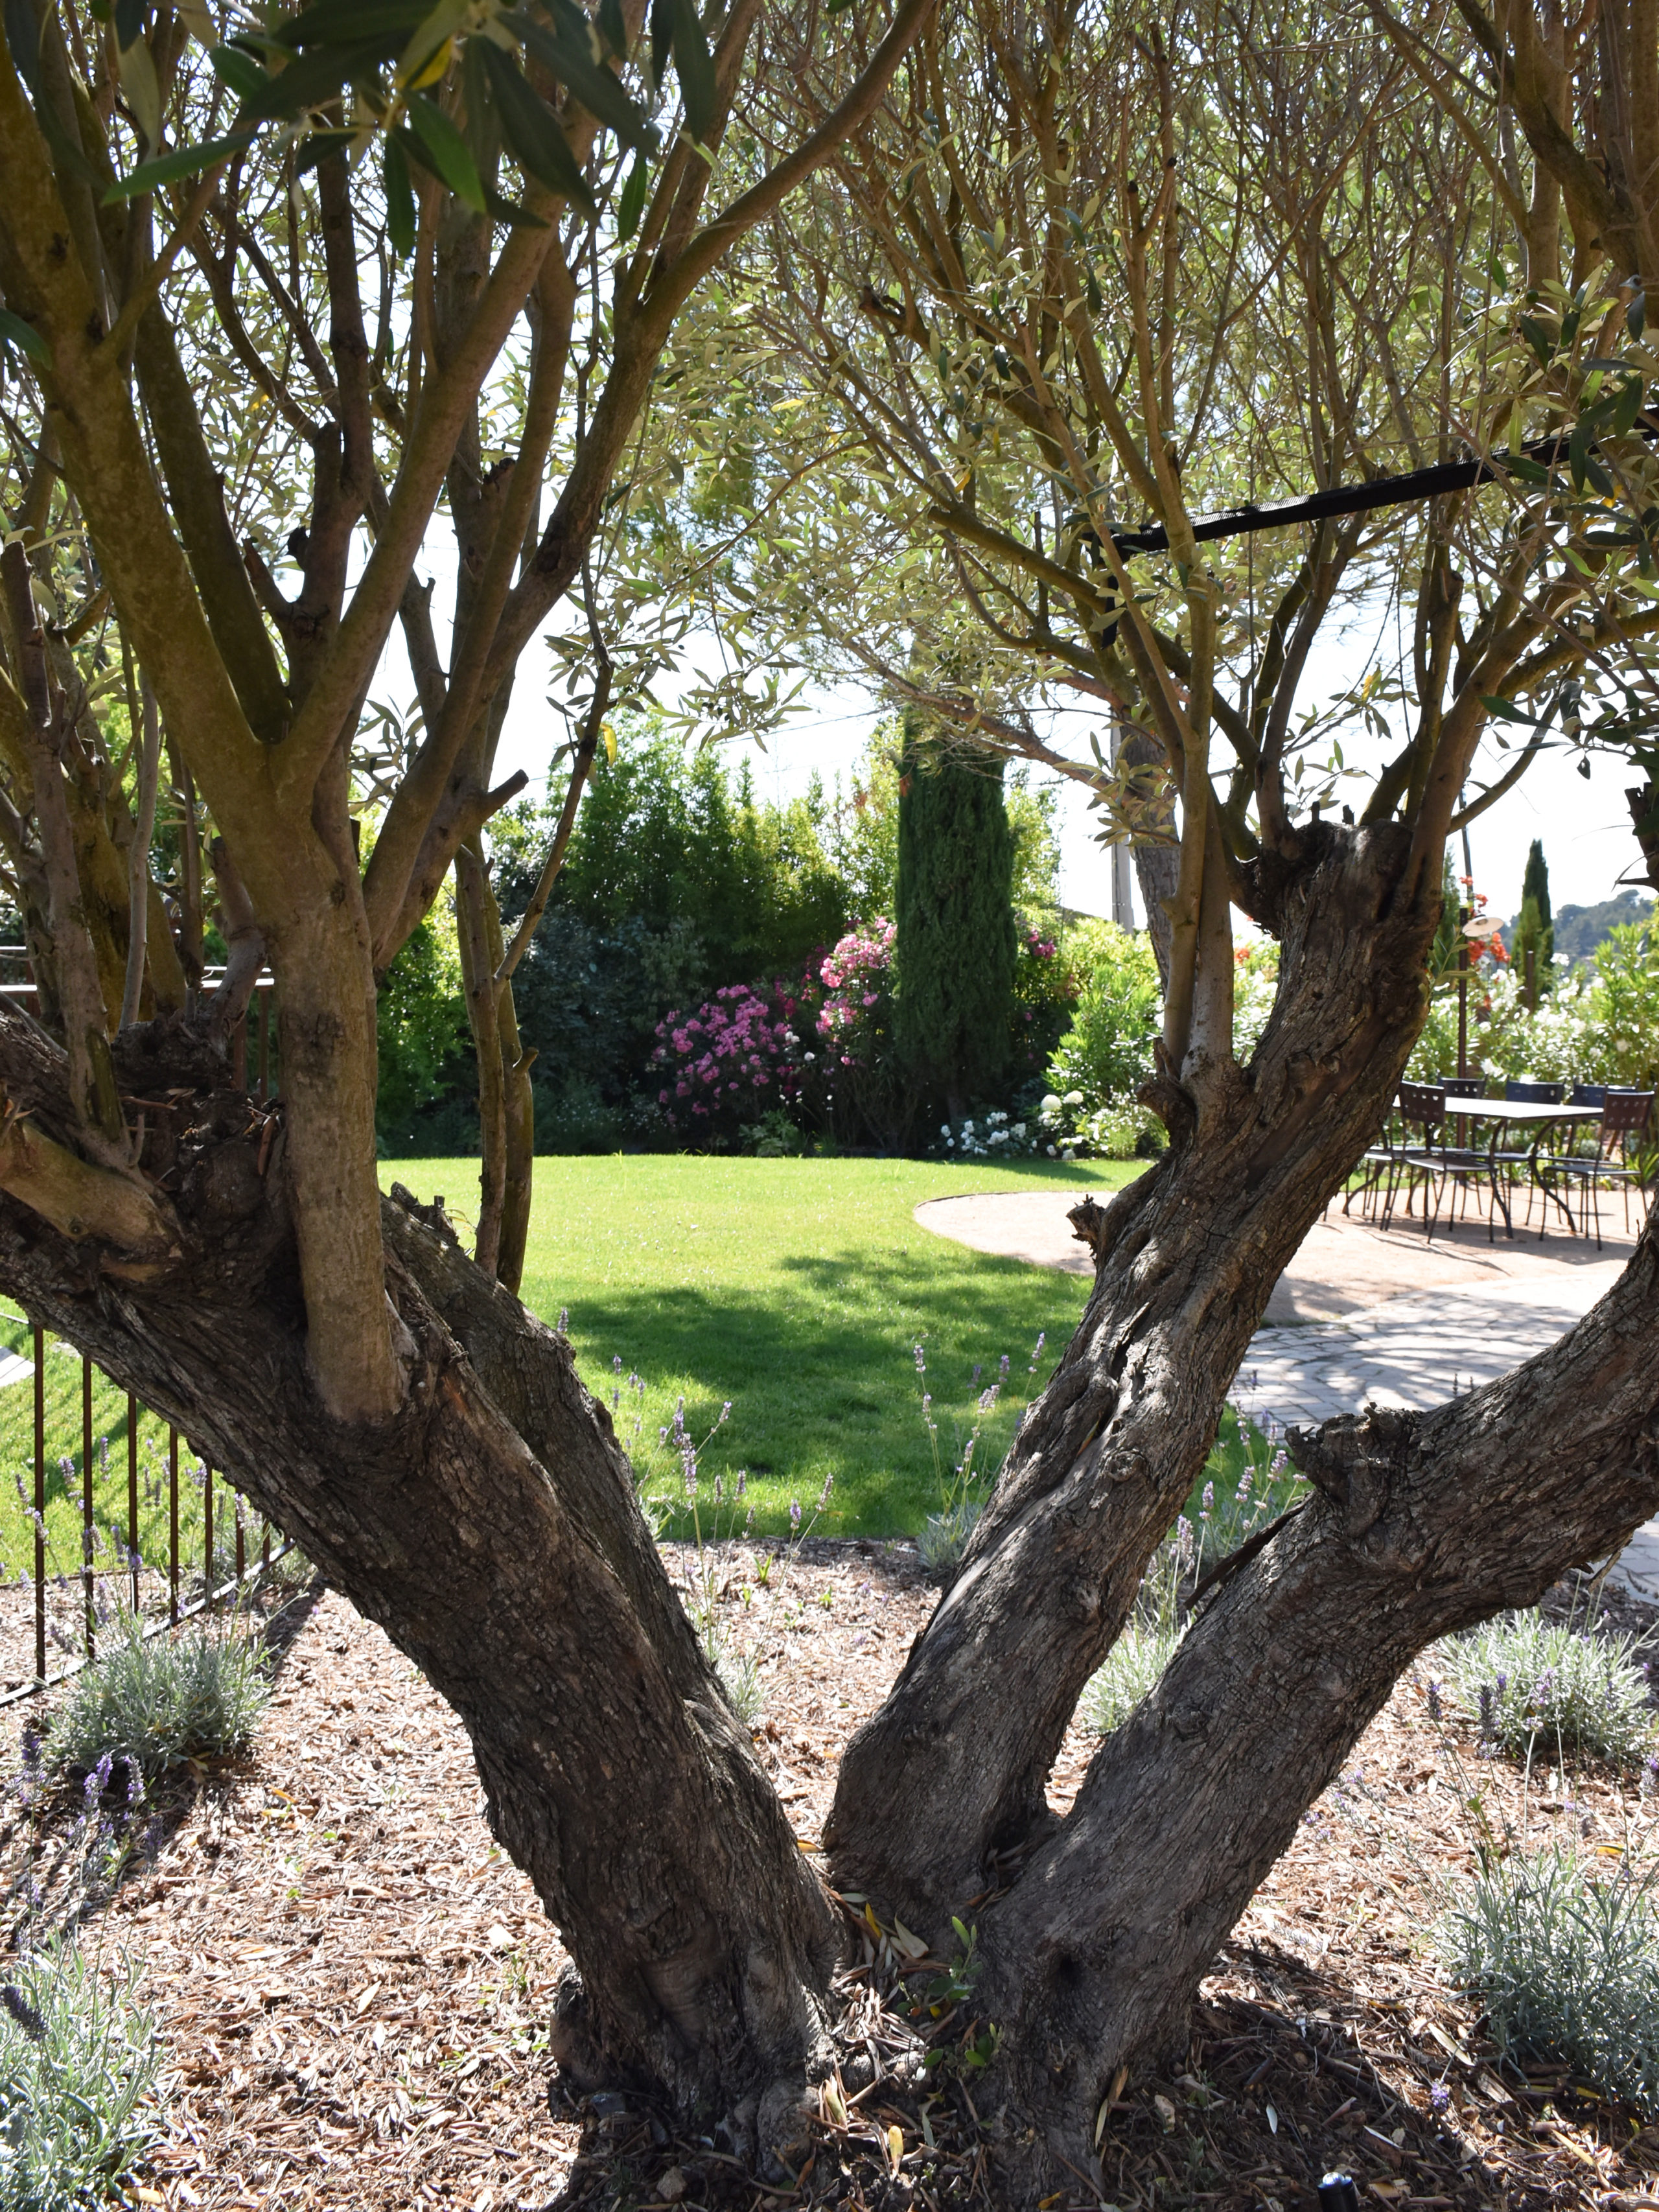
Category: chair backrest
[1588,1094]
[1424,1103]
[1625,1112]
[1536,1094]
[1460,1087]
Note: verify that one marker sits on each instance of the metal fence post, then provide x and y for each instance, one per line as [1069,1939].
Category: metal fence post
[173,1525]
[132,1494]
[40,1502]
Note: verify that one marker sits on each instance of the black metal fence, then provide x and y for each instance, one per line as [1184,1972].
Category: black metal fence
[211,1546]
[232,1545]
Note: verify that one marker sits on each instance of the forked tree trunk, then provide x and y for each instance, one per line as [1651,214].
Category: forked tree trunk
[491,1527]
[948,1775]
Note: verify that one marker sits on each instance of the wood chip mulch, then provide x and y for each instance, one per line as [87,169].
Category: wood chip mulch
[352,1983]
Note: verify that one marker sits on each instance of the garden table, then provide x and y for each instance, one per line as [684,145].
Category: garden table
[1522,1112]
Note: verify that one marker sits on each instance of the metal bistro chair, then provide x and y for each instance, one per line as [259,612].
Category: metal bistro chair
[1624,1116]
[1377,1166]
[1422,1111]
[1513,1160]
[1427,1107]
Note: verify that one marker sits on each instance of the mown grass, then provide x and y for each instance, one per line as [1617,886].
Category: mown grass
[797,1289]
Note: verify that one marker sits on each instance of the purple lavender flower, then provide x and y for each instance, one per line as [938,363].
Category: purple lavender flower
[1434,1701]
[1439,2097]
[794,1515]
[23,2012]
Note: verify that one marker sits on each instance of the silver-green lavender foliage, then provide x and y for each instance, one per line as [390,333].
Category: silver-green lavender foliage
[1221,1523]
[1133,1668]
[196,1694]
[1544,1687]
[739,1677]
[944,1536]
[78,2063]
[1561,1950]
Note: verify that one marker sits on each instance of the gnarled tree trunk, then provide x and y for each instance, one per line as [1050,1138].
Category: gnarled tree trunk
[490,1526]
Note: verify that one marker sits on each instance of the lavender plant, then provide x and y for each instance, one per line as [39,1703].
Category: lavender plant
[1560,1949]
[78,2064]
[1558,1688]
[156,1701]
[1136,1662]
[739,1677]
[1222,1514]
[944,1535]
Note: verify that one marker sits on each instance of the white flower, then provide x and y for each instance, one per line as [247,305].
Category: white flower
[1068,1154]
[1020,1128]
[1050,1104]
[1053,1152]
[945,1129]
[1072,1099]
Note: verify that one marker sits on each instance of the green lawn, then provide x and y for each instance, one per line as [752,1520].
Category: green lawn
[797,1289]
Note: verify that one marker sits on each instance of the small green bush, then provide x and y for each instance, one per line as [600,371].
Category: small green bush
[193,1695]
[1532,1685]
[78,2070]
[1562,1950]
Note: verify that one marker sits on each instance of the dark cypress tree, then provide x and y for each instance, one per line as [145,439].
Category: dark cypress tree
[1534,927]
[955,947]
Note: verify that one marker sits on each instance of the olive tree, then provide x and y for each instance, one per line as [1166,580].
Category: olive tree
[1142,268]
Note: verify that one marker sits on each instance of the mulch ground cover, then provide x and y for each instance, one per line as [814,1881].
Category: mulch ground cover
[352,1982]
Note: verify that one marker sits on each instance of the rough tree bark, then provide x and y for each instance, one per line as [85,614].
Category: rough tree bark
[1423,1523]
[490,1526]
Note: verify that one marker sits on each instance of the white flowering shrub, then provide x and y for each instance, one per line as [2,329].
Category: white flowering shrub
[1596,1025]
[987,1137]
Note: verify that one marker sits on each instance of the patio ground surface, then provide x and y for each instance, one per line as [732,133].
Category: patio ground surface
[1363,1314]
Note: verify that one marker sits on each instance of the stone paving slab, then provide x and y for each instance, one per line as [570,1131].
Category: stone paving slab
[1413,1350]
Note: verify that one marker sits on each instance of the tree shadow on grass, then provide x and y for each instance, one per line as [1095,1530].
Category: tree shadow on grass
[820,1373]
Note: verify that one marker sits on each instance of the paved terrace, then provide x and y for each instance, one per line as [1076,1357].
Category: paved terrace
[1363,1316]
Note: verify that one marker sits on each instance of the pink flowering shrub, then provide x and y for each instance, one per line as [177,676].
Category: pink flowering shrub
[855,1017]
[726,1064]
[1045,991]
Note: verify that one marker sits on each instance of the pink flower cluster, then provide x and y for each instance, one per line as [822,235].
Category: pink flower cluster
[720,1062]
[857,976]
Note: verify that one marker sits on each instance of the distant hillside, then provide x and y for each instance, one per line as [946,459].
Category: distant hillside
[1580,929]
